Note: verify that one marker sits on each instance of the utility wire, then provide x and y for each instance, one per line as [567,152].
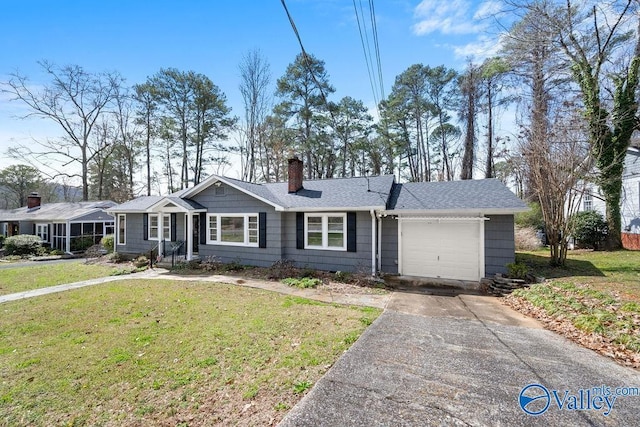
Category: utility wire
[366,51]
[307,62]
[374,27]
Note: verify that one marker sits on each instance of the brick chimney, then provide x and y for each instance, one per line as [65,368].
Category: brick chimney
[33,200]
[295,175]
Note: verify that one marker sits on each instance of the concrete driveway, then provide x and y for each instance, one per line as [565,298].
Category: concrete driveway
[464,360]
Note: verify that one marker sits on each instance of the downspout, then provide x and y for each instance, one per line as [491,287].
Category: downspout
[373,242]
[379,220]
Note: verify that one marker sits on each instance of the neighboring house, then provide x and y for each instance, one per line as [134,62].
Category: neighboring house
[455,230]
[64,226]
[630,203]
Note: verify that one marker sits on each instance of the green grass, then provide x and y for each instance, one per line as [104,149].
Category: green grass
[598,292]
[39,276]
[302,282]
[149,352]
[608,271]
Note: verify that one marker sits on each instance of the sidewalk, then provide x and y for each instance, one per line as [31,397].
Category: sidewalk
[378,301]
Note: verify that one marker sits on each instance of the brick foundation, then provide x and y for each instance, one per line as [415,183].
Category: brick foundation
[631,241]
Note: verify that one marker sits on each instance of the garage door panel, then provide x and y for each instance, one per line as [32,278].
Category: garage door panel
[444,249]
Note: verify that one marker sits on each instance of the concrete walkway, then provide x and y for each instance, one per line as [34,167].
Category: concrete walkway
[463,360]
[371,300]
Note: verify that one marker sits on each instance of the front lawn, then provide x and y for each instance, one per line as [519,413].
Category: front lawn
[594,300]
[40,276]
[144,352]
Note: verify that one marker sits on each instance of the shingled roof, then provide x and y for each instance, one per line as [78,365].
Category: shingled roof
[359,193]
[56,211]
[484,195]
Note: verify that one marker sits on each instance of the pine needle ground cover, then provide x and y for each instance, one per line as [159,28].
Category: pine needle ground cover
[144,352]
[594,300]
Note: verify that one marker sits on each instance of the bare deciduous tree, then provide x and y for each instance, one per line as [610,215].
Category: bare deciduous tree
[75,100]
[255,79]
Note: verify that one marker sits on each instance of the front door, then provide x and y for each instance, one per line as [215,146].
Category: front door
[196,232]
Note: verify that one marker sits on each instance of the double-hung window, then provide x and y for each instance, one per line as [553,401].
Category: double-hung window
[122,229]
[588,202]
[154,225]
[42,231]
[326,231]
[232,229]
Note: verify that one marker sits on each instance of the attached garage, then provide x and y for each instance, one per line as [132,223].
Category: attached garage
[450,248]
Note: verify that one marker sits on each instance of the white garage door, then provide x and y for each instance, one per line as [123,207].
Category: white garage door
[448,249]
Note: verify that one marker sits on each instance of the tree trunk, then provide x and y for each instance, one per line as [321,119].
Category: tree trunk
[489,164]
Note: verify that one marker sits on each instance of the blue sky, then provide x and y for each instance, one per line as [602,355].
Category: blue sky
[137,38]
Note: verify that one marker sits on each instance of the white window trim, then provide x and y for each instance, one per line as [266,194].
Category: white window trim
[166,226]
[325,231]
[219,217]
[117,230]
[46,232]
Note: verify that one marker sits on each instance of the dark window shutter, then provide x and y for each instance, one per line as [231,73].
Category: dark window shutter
[174,221]
[34,229]
[202,223]
[351,231]
[299,230]
[262,230]
[145,226]
[50,236]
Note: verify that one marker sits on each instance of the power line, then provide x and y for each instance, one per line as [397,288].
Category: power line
[305,57]
[374,27]
[366,51]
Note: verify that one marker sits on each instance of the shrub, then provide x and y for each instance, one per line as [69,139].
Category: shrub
[57,252]
[281,269]
[108,242]
[531,218]
[22,244]
[234,265]
[527,239]
[1,240]
[343,277]
[589,228]
[211,263]
[115,257]
[94,251]
[81,243]
[303,282]
[141,261]
[517,270]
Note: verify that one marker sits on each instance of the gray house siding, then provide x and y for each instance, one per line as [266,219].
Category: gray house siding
[358,261]
[98,216]
[134,236]
[389,260]
[632,164]
[234,201]
[499,244]
[135,242]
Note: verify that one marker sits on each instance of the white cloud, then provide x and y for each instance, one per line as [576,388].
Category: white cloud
[481,48]
[453,16]
[487,9]
[446,17]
